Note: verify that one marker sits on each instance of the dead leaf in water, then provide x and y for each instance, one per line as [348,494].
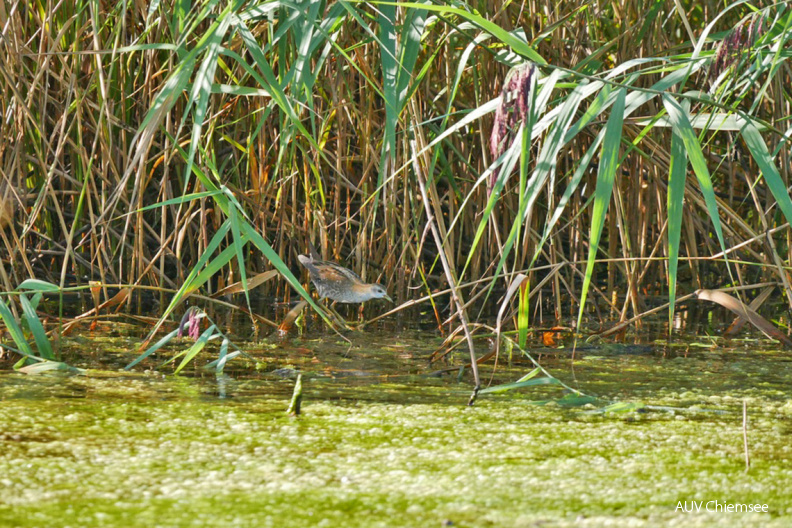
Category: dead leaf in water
[740,308]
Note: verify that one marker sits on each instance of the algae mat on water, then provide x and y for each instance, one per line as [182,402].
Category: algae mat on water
[101,450]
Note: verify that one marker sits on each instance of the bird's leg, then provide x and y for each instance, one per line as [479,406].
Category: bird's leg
[357,326]
[339,320]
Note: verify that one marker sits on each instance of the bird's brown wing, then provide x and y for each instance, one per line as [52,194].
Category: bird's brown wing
[333,272]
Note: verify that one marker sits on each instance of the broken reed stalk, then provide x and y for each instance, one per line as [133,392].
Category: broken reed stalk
[518,280]
[745,436]
[296,401]
[458,302]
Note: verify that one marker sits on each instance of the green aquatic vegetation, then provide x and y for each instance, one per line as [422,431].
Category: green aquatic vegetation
[380,444]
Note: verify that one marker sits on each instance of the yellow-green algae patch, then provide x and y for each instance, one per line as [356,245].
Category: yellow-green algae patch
[136,450]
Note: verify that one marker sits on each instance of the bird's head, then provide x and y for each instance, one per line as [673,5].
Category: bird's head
[378,292]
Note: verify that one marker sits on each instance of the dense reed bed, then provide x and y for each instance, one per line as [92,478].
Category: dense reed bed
[634,150]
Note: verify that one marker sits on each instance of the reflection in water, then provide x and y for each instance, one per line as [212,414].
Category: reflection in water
[222,384]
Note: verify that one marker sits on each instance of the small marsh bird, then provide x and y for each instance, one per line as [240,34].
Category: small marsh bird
[338,283]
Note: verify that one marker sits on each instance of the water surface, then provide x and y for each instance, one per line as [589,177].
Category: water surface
[385,439]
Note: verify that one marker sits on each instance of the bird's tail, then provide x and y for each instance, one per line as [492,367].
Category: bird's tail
[314,254]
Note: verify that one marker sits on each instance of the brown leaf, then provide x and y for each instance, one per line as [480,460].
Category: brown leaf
[252,282]
[739,308]
[288,321]
[738,323]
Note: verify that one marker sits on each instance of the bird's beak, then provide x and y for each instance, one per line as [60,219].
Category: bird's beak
[387,297]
